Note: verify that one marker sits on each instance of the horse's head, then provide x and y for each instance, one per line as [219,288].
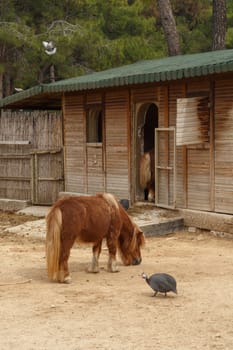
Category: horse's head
[138,240]
[130,241]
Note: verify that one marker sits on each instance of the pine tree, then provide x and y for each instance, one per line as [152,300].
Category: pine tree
[169,27]
[219,24]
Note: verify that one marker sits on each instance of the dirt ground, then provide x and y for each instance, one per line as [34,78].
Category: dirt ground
[116,311]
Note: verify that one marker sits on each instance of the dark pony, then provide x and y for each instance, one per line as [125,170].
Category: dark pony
[90,219]
[147,174]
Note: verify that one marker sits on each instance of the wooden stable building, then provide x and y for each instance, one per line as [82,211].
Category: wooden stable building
[182,106]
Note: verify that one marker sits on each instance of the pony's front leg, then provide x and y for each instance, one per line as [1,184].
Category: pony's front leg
[112,249]
[96,250]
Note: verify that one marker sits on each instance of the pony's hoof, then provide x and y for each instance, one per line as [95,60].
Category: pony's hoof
[113,268]
[67,280]
[93,270]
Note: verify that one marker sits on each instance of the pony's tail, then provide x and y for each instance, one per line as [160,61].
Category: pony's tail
[53,242]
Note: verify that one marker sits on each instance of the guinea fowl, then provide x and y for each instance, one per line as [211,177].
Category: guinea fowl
[124,203]
[161,282]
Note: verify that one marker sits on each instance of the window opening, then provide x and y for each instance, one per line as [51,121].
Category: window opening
[94,125]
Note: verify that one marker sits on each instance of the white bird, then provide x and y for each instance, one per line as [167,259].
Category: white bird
[18,89]
[51,52]
[48,45]
[50,48]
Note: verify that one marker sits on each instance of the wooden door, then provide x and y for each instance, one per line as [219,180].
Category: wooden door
[15,176]
[47,176]
[95,168]
[165,171]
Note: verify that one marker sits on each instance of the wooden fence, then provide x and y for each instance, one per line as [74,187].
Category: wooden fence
[31,156]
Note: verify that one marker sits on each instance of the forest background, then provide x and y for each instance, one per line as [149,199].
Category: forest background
[93,35]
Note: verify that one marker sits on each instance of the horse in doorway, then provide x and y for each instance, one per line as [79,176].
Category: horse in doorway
[90,219]
[147,174]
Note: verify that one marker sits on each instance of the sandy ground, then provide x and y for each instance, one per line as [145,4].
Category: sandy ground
[116,311]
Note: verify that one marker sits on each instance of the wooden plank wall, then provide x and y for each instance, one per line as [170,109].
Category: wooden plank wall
[198,159]
[117,146]
[198,178]
[93,98]
[163,106]
[192,162]
[224,146]
[74,141]
[145,95]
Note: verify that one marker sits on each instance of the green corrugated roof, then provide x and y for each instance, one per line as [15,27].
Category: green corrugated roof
[156,70]
[164,69]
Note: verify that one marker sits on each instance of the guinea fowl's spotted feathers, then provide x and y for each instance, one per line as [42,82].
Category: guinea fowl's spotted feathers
[161,282]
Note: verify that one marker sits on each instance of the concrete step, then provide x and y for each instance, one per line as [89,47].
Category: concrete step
[13,204]
[162,228]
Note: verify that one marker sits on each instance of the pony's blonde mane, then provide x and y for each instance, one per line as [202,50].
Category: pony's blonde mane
[110,199]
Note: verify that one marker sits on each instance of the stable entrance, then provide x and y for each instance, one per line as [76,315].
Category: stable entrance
[146,123]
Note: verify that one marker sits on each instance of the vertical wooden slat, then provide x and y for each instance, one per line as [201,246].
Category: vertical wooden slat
[212,150]
[36,178]
[165,167]
[223,146]
[184,173]
[32,179]
[74,138]
[117,165]
[176,91]
[104,141]
[129,143]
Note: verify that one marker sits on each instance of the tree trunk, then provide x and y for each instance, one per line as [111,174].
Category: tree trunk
[219,24]
[7,82]
[169,27]
[52,73]
[1,85]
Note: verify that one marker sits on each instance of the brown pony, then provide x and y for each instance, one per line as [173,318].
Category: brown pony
[147,174]
[90,219]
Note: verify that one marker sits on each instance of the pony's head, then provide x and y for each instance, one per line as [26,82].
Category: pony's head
[130,241]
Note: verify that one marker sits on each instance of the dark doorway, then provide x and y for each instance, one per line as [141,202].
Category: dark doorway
[147,122]
[151,122]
